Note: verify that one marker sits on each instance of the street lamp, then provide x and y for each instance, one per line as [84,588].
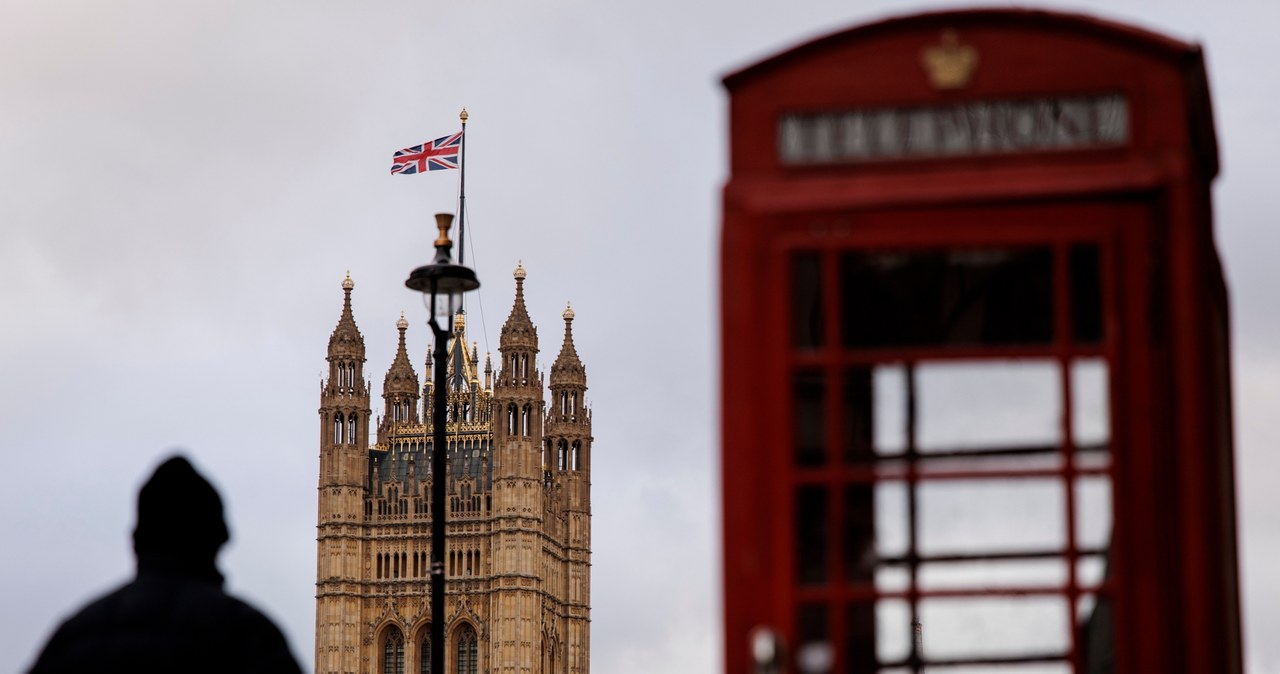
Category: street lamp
[441,277]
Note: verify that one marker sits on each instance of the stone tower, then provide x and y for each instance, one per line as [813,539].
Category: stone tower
[519,509]
[342,540]
[568,431]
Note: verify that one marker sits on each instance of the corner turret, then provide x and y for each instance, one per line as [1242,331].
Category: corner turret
[344,450]
[346,351]
[399,387]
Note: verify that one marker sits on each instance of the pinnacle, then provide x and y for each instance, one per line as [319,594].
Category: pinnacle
[346,333]
[401,375]
[519,330]
[461,368]
[567,363]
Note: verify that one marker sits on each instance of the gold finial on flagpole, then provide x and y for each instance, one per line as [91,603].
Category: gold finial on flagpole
[463,116]
[443,222]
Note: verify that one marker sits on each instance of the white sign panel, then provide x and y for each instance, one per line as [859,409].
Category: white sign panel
[963,129]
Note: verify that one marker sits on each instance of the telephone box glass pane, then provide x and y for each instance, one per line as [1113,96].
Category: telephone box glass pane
[893,634]
[988,516]
[806,300]
[809,409]
[980,405]
[861,635]
[858,531]
[811,534]
[1093,513]
[995,626]
[811,624]
[979,296]
[893,578]
[1015,668]
[1086,294]
[815,654]
[993,573]
[857,417]
[891,519]
[1090,413]
[889,407]
[1090,571]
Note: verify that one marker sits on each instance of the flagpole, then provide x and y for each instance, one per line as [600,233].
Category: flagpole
[462,189]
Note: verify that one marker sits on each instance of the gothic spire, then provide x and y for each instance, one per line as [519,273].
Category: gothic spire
[401,377]
[462,367]
[567,366]
[518,331]
[346,336]
[346,351]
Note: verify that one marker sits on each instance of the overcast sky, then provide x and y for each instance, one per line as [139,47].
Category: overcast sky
[184,184]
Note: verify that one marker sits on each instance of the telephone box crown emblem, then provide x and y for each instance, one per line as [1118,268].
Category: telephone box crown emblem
[949,64]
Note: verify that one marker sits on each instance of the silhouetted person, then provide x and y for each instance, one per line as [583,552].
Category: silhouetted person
[174,617]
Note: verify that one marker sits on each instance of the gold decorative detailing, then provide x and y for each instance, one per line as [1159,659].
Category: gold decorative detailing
[443,222]
[949,65]
[402,324]
[463,116]
[347,283]
[459,322]
[519,273]
[568,312]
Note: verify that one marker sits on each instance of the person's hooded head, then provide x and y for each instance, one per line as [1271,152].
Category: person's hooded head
[180,519]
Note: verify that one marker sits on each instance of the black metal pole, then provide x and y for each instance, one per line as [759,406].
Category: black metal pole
[462,189]
[439,482]
[441,276]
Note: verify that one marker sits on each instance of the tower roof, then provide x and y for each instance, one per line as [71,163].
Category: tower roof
[346,338]
[401,377]
[462,363]
[519,331]
[568,367]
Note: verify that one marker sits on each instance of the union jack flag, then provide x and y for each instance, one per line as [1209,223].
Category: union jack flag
[439,154]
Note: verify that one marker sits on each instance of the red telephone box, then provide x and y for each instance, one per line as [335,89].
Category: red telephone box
[976,373]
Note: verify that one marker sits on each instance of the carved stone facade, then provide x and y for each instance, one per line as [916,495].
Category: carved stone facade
[518,581]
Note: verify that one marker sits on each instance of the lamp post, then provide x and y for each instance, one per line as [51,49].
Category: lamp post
[441,277]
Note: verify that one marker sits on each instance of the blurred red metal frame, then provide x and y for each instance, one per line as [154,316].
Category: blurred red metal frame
[1146,204]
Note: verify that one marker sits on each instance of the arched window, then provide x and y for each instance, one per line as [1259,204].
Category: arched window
[337,429]
[467,650]
[575,458]
[512,419]
[352,428]
[573,404]
[351,376]
[393,651]
[562,455]
[525,422]
[524,367]
[424,652]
